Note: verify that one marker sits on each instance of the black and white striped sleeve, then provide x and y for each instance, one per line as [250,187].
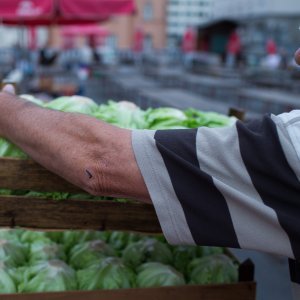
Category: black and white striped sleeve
[235,187]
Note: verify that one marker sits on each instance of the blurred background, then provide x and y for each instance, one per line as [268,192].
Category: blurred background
[211,55]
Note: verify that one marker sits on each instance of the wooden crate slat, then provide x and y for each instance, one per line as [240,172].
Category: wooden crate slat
[240,291]
[18,174]
[42,214]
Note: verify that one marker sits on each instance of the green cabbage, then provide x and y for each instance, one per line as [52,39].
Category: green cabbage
[73,104]
[146,250]
[71,238]
[45,249]
[216,269]
[109,273]
[49,276]
[182,255]
[84,255]
[13,253]
[165,118]
[157,275]
[7,282]
[119,240]
[122,114]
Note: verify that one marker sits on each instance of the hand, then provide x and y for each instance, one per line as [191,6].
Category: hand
[297,57]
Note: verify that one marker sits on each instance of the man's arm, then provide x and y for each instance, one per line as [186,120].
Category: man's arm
[89,153]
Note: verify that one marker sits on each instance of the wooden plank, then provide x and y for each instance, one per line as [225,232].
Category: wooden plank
[18,174]
[77,214]
[240,291]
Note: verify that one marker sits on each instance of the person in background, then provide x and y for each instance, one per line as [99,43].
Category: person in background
[235,187]
[272,60]
[234,49]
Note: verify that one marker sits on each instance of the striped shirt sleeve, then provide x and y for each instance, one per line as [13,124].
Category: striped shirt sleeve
[235,187]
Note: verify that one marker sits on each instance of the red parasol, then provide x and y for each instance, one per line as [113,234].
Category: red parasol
[48,12]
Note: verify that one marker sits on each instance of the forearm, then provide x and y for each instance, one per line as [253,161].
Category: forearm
[85,151]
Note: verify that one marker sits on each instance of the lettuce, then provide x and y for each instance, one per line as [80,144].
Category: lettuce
[157,275]
[109,273]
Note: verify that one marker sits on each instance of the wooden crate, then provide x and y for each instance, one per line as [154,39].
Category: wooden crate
[43,214]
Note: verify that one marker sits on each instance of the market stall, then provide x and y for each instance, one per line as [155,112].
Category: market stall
[33,198]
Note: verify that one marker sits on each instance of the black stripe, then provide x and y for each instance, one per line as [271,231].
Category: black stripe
[271,174]
[204,206]
[294,270]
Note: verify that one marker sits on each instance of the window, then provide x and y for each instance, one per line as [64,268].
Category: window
[148,11]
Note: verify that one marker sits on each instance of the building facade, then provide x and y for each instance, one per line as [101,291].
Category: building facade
[150,18]
[182,14]
[249,8]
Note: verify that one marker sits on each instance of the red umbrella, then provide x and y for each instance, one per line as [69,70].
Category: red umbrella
[84,30]
[47,12]
[138,41]
[189,42]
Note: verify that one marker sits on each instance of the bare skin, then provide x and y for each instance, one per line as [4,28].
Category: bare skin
[89,153]
[85,151]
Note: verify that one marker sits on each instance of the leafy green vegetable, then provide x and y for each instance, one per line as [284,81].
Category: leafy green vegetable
[45,249]
[123,114]
[182,255]
[71,238]
[119,240]
[165,118]
[49,276]
[146,250]
[7,149]
[7,283]
[32,99]
[73,104]
[157,275]
[109,273]
[12,252]
[84,255]
[215,269]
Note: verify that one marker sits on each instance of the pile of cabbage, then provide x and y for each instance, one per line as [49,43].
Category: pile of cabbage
[123,114]
[126,115]
[33,261]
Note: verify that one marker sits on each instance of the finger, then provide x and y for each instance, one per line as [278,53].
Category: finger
[297,57]
[9,88]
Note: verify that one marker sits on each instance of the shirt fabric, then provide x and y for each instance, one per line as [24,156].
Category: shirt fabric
[237,186]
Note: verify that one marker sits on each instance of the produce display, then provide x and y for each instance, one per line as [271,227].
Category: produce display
[33,261]
[123,114]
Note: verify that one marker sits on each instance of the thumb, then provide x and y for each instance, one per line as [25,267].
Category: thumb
[9,88]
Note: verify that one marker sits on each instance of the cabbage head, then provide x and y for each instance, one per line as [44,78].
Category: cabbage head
[122,114]
[48,276]
[214,269]
[84,255]
[7,282]
[45,249]
[71,238]
[147,250]
[13,253]
[73,104]
[165,118]
[119,240]
[157,275]
[182,256]
[109,273]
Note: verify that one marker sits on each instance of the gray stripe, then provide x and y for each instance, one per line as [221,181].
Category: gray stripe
[286,143]
[256,225]
[296,290]
[158,182]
